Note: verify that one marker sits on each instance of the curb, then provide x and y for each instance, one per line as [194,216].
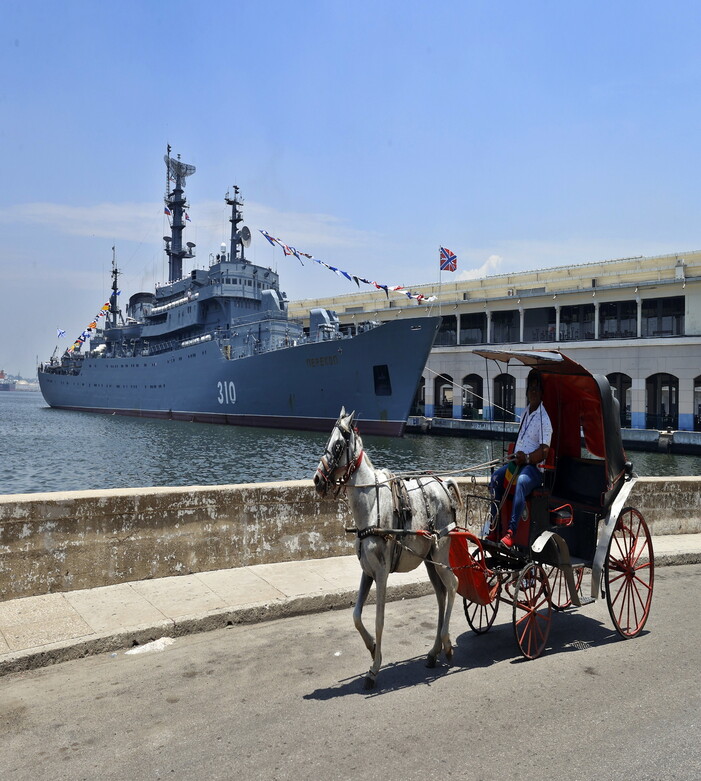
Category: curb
[80,647]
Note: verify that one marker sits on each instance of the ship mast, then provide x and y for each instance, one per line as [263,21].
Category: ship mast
[239,238]
[114,309]
[177,172]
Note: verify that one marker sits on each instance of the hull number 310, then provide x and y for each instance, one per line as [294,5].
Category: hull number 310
[227,392]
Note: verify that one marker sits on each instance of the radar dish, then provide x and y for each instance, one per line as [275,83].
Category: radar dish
[246,236]
[190,244]
[178,168]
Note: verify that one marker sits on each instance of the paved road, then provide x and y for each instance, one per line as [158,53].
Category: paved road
[284,700]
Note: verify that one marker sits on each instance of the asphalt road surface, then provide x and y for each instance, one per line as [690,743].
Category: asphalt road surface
[284,700]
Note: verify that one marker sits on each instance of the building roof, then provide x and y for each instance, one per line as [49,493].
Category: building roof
[639,273]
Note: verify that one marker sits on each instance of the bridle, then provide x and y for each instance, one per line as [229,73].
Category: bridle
[330,465]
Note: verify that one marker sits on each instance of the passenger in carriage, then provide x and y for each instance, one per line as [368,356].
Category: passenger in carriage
[530,452]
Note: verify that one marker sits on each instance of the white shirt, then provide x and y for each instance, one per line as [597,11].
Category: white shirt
[536,430]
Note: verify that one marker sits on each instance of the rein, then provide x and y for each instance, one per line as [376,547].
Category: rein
[328,466]
[426,473]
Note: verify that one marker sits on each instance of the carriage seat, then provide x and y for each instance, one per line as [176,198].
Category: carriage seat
[580,481]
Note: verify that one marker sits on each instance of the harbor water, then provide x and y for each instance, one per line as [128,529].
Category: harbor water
[44,449]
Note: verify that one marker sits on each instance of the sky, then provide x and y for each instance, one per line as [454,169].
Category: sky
[518,134]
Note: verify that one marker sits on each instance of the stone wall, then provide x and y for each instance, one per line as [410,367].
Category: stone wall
[83,539]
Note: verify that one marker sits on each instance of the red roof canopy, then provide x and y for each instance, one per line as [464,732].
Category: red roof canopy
[577,402]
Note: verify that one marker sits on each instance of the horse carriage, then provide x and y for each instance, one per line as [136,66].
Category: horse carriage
[578,520]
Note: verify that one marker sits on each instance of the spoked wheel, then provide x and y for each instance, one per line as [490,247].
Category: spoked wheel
[629,573]
[481,617]
[559,593]
[532,611]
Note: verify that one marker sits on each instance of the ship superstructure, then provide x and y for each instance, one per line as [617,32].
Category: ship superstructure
[217,345]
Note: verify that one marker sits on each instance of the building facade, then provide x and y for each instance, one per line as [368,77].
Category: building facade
[635,320]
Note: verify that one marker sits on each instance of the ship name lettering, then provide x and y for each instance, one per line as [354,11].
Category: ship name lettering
[324,360]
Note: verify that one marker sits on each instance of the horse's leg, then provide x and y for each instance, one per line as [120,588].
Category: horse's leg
[363,591]
[439,588]
[381,596]
[450,584]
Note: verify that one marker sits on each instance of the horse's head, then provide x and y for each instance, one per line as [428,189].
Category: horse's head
[342,455]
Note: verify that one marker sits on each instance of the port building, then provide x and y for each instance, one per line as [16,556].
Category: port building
[636,320]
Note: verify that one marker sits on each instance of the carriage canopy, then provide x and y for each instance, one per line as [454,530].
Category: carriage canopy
[580,404]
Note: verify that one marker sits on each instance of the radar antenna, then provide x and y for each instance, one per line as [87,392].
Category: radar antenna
[178,169]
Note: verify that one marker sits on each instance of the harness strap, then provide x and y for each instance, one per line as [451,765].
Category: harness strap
[401,503]
[377,501]
[429,519]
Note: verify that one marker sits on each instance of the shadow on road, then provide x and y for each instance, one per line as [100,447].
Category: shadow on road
[570,631]
[392,677]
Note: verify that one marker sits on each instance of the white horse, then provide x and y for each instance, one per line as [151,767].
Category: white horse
[389,540]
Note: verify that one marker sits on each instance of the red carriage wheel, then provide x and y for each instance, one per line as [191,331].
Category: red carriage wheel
[629,573]
[532,611]
[481,617]
[559,593]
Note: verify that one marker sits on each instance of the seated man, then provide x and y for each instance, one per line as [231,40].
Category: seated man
[532,446]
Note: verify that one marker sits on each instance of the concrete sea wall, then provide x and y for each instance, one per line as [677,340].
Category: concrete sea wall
[82,539]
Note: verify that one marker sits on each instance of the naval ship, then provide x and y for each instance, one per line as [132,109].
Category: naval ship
[217,346]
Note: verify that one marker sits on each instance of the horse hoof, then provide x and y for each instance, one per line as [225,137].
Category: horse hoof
[449,654]
[369,682]
[431,662]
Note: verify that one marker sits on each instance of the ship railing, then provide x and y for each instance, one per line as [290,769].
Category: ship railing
[161,347]
[56,369]
[254,347]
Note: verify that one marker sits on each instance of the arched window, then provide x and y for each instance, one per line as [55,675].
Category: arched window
[504,397]
[697,403]
[443,396]
[621,385]
[472,403]
[418,406]
[662,401]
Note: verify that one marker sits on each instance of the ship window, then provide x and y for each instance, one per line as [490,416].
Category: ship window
[383,385]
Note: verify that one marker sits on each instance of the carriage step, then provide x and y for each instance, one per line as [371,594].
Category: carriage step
[586,601]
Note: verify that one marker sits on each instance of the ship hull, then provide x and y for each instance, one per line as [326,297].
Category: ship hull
[303,387]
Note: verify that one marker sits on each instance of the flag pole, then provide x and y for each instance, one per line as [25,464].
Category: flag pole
[440,281]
